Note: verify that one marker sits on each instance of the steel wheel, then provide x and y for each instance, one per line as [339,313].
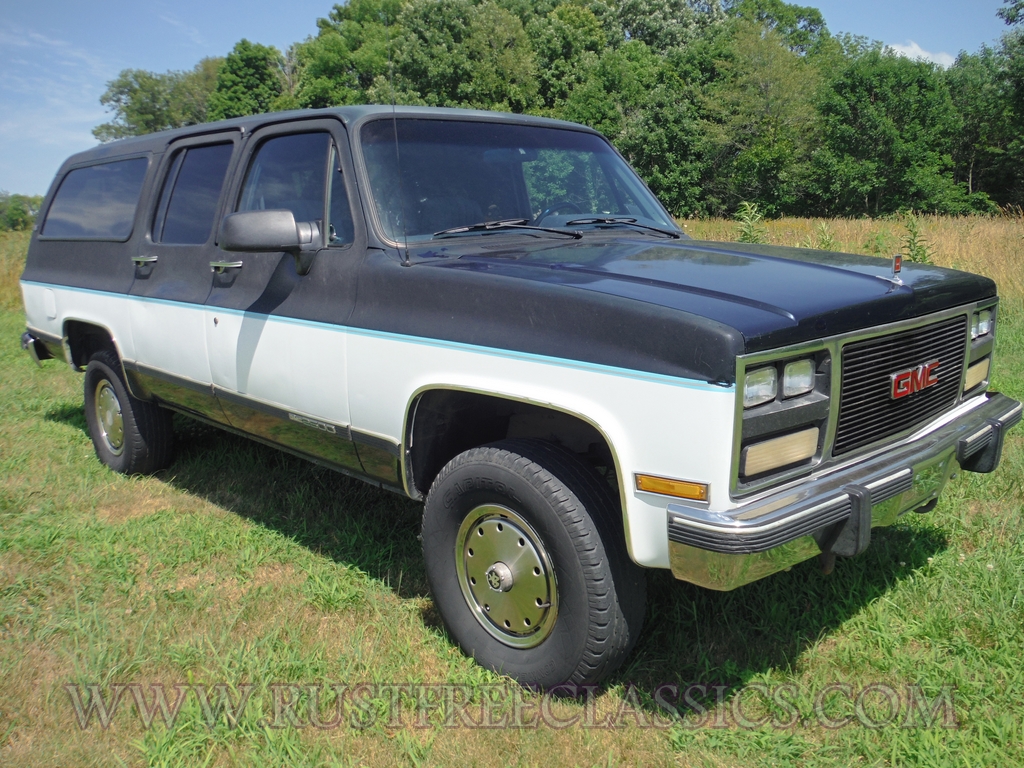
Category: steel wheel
[506,576]
[109,418]
[131,436]
[527,564]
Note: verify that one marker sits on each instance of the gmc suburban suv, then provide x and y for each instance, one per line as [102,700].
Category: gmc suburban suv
[493,314]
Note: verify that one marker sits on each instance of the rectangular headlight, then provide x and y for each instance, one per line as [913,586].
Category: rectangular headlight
[798,378]
[779,452]
[984,322]
[976,374]
[981,323]
[760,386]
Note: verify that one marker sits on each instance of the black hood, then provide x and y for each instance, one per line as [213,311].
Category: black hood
[773,296]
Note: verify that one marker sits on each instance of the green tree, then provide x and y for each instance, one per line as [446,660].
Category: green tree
[18,212]
[144,102]
[288,74]
[248,83]
[567,42]
[1012,84]
[432,54]
[888,125]
[190,94]
[438,52]
[141,102]
[978,87]
[504,69]
[665,24]
[714,102]
[644,103]
[801,27]
[352,49]
[1013,13]
[762,122]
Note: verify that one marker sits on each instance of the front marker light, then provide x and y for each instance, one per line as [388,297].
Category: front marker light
[798,378]
[683,489]
[760,386]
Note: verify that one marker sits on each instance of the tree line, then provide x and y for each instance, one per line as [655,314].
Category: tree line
[18,212]
[714,102]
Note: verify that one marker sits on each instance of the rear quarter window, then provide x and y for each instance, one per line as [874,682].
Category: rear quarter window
[97,202]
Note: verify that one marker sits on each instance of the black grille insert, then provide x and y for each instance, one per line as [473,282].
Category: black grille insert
[867,411]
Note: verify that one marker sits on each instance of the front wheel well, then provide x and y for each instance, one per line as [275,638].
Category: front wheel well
[443,423]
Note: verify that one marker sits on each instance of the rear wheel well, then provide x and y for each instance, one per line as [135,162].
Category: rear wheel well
[85,340]
[444,423]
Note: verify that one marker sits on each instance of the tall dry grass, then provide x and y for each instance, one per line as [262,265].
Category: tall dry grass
[13,246]
[991,246]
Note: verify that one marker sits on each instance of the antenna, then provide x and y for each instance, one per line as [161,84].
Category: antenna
[398,156]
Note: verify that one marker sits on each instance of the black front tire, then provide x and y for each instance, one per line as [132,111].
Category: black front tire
[531,502]
[130,436]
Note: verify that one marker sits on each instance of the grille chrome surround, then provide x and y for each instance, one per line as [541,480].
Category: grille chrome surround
[826,462]
[867,410]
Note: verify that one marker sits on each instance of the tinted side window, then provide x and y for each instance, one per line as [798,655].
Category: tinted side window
[288,172]
[98,201]
[188,203]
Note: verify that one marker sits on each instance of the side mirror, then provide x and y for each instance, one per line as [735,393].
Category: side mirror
[259,231]
[270,232]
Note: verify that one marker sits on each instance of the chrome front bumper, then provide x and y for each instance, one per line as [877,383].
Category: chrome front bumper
[835,510]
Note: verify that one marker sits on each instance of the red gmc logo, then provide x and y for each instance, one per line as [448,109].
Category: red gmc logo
[908,382]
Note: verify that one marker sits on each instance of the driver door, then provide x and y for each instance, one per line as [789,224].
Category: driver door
[277,373]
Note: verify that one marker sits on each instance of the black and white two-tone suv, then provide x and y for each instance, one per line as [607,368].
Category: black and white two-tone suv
[492,313]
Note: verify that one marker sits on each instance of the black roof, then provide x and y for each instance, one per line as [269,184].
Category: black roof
[155,142]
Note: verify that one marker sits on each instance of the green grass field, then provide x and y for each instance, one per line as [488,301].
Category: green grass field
[243,566]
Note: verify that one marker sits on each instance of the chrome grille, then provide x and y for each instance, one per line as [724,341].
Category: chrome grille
[867,412]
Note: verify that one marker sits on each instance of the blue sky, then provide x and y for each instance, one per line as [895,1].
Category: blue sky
[56,56]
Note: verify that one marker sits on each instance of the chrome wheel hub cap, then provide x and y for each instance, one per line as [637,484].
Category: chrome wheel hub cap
[109,418]
[499,577]
[506,576]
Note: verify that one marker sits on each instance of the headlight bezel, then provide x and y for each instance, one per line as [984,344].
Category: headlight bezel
[803,405]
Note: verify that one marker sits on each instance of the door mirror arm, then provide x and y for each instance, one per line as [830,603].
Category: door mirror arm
[311,240]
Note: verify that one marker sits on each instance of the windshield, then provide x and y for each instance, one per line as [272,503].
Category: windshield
[458,173]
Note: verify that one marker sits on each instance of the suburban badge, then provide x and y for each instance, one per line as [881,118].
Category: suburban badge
[914,380]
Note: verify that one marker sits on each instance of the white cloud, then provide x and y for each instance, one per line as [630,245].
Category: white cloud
[914,51]
[49,102]
[190,32]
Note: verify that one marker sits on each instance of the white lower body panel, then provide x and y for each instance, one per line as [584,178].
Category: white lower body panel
[655,424]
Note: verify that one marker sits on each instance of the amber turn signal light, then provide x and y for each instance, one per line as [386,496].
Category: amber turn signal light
[681,489]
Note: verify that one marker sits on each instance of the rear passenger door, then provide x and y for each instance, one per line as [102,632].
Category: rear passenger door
[173,276]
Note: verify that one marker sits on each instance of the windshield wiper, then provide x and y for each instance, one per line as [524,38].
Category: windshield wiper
[488,226]
[629,221]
